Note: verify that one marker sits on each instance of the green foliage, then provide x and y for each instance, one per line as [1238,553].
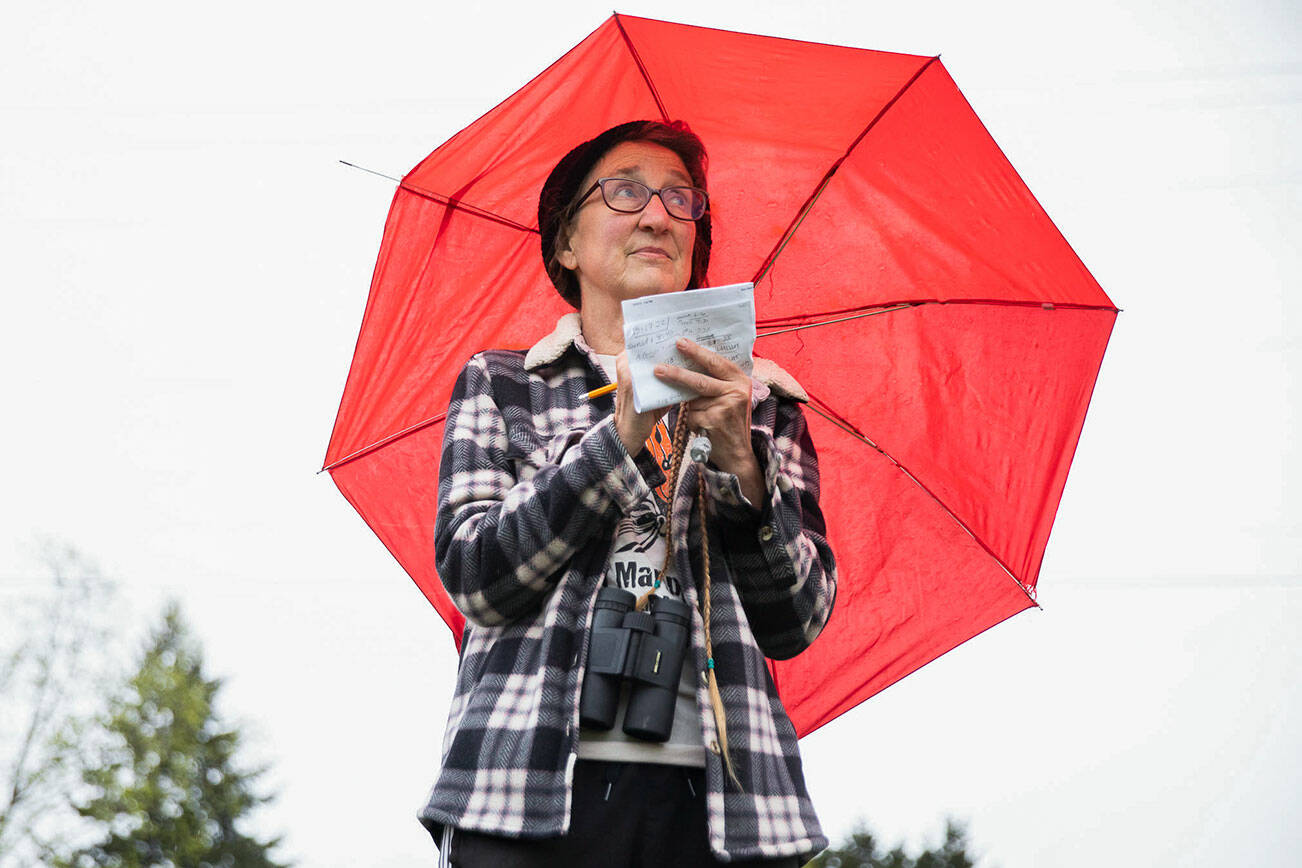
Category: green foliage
[861,850]
[165,789]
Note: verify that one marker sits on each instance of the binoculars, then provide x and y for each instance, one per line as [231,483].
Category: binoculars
[647,648]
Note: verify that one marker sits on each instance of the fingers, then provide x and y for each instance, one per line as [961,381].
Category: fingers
[632,427]
[720,377]
[723,393]
[701,384]
[622,376]
[713,363]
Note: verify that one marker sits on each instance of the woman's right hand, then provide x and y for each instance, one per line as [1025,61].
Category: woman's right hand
[633,427]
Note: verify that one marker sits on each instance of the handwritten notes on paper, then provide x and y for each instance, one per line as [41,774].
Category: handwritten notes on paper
[721,318]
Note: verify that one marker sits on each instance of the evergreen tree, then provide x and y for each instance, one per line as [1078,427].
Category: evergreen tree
[166,789]
[860,850]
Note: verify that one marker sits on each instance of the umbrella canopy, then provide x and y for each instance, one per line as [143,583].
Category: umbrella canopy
[947,334]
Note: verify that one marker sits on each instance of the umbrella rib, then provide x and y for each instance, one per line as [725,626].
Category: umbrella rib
[371,171]
[827,178]
[821,408]
[385,441]
[457,205]
[641,67]
[810,325]
[891,307]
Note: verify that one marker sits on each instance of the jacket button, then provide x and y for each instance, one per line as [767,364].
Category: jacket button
[766,533]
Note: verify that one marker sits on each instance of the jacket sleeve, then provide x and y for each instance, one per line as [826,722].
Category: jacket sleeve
[504,534]
[782,566]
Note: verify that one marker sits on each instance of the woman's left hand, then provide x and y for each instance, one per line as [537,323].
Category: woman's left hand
[722,411]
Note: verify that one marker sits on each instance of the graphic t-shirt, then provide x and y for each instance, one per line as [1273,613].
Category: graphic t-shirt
[640,536]
[638,556]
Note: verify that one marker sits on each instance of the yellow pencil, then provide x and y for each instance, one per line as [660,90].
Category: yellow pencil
[604,390]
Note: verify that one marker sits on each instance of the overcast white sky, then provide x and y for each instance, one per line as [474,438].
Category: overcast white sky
[184,265]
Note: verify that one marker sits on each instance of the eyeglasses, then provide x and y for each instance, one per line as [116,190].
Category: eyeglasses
[629,197]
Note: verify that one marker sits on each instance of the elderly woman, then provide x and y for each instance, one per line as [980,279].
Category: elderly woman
[547,497]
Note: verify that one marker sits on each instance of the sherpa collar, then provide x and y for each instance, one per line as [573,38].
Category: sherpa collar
[567,334]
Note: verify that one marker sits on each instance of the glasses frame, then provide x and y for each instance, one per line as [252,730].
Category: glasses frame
[600,183]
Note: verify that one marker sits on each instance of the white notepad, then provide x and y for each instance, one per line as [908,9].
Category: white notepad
[720,317]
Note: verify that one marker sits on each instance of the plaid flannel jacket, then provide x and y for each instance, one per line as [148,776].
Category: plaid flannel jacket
[532,482]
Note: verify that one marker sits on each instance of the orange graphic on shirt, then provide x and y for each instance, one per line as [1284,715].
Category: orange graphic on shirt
[662,449]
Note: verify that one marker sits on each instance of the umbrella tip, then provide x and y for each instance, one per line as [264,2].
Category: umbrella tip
[371,171]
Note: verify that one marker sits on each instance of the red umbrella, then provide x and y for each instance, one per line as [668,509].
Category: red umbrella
[947,334]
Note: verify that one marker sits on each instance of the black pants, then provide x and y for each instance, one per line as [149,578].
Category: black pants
[623,815]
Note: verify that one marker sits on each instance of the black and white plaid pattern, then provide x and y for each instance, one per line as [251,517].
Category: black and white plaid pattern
[532,483]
